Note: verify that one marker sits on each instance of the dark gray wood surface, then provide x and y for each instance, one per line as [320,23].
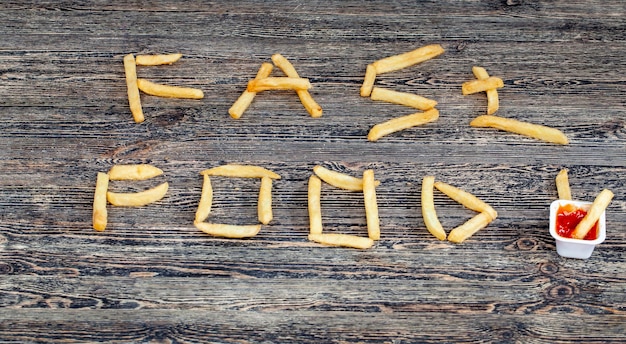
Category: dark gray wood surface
[151,276]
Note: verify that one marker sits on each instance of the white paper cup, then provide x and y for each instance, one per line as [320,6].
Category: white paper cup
[575,248]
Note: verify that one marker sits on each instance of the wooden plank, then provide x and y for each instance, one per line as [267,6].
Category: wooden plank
[152,276]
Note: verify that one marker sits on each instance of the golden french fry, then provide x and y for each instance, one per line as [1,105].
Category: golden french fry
[428,209]
[536,131]
[265,201]
[401,123]
[305,97]
[130,70]
[278,83]
[371,205]
[241,171]
[246,98]
[396,62]
[206,200]
[167,91]
[315,208]
[228,231]
[475,86]
[138,199]
[403,98]
[100,202]
[368,81]
[466,230]
[344,240]
[134,172]
[493,102]
[562,185]
[467,199]
[598,206]
[155,60]
[340,180]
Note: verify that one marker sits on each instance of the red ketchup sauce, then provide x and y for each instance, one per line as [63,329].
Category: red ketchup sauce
[567,217]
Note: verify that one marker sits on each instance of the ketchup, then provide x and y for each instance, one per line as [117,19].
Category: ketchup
[567,217]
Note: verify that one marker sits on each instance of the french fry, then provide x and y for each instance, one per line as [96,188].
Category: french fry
[475,86]
[100,202]
[371,205]
[315,209]
[241,171]
[403,98]
[562,185]
[471,226]
[246,98]
[278,83]
[305,97]
[138,199]
[598,206]
[340,180]
[368,81]
[428,209]
[493,102]
[401,123]
[134,172]
[396,62]
[344,240]
[467,199]
[206,200]
[167,91]
[155,60]
[130,70]
[536,131]
[228,231]
[265,201]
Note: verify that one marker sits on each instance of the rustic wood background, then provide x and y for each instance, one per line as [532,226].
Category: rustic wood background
[152,277]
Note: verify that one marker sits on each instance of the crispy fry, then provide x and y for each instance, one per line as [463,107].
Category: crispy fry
[371,205]
[245,99]
[134,172]
[265,201]
[466,230]
[467,199]
[315,209]
[401,123]
[278,83]
[562,185]
[475,86]
[340,180]
[167,91]
[428,209]
[537,131]
[305,97]
[206,200]
[228,231]
[138,199]
[396,62]
[130,69]
[155,60]
[344,240]
[493,102]
[100,202]
[241,171]
[403,98]
[368,81]
[598,207]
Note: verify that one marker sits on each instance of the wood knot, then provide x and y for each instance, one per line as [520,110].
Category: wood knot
[561,292]
[5,268]
[548,268]
[527,244]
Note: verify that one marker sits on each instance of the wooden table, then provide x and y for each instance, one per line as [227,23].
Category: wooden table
[152,276]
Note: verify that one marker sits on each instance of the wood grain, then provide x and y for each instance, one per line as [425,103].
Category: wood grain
[153,277]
